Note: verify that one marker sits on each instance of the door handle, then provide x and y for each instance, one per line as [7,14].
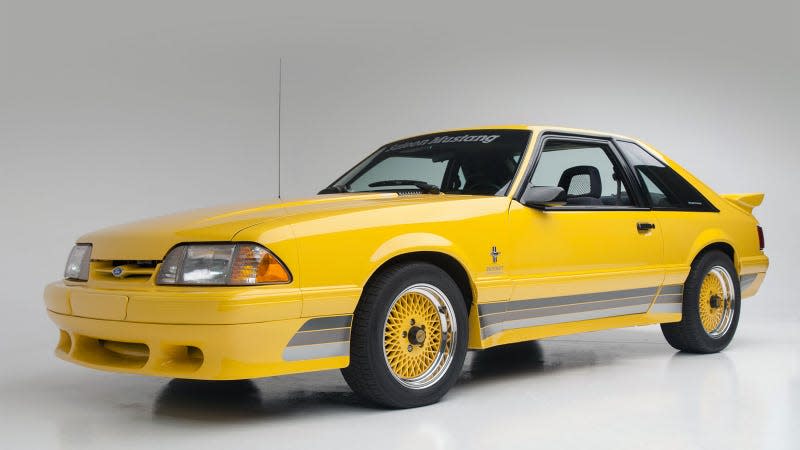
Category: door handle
[645,226]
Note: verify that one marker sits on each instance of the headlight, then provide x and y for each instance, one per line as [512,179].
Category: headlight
[222,264]
[78,263]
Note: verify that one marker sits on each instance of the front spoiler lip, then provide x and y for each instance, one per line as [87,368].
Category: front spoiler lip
[229,351]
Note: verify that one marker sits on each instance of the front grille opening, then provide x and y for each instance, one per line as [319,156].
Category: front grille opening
[123,270]
[64,342]
[139,263]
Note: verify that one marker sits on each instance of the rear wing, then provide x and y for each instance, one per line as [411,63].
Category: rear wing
[745,201]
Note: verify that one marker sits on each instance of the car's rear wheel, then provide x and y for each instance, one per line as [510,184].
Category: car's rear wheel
[409,337]
[711,306]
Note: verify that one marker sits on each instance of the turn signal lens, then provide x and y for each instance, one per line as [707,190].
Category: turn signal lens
[270,270]
[255,264]
[244,269]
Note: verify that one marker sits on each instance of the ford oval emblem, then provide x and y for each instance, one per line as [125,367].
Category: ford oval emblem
[117,271]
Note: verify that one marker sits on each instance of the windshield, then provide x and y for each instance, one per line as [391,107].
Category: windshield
[473,162]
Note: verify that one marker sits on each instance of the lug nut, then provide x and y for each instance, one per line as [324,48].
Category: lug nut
[410,348]
[405,334]
[412,322]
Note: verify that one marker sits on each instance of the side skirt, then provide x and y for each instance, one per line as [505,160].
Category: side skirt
[523,320]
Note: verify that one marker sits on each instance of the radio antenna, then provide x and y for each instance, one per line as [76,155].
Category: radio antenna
[280,88]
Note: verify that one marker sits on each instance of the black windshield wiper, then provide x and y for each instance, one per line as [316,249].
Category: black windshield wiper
[421,185]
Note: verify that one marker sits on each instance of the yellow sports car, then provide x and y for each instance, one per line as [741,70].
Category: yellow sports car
[432,245]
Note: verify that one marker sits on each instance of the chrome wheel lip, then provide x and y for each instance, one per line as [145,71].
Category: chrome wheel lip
[728,299]
[449,328]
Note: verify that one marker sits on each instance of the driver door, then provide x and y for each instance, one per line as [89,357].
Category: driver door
[596,255]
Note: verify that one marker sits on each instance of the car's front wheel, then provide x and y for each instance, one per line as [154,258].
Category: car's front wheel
[409,337]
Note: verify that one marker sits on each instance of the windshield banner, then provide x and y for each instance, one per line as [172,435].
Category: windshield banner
[479,138]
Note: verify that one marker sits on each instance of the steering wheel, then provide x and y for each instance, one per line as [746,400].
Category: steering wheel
[481,185]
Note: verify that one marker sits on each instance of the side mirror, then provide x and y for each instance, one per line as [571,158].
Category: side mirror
[540,197]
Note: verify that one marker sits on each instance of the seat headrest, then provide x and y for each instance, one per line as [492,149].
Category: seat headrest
[581,181]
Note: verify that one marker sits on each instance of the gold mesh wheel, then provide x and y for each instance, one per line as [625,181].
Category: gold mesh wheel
[419,335]
[716,299]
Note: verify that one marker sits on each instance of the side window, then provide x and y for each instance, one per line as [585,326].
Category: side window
[586,172]
[665,188]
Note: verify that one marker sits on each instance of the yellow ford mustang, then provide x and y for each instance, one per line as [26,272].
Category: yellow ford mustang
[431,245]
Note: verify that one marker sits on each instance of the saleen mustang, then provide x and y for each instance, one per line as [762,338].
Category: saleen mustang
[432,245]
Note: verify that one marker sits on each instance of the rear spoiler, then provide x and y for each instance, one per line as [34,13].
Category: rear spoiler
[745,201]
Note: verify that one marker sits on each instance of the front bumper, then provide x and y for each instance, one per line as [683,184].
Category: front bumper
[209,336]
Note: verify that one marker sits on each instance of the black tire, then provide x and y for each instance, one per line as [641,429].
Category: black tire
[369,374]
[688,335]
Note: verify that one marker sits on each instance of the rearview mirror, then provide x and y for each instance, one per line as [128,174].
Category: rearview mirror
[540,197]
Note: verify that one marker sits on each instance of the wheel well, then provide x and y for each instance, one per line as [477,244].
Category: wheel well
[441,260]
[721,246]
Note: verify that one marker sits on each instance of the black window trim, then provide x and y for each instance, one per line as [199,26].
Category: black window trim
[640,204]
[642,189]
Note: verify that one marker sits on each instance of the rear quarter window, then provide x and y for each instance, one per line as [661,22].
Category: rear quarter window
[663,186]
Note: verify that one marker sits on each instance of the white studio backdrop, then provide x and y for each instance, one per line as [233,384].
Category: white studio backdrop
[112,111]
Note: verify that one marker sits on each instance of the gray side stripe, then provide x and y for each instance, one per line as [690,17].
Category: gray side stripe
[304,352]
[669,298]
[565,309]
[493,308]
[666,308]
[671,289]
[746,280]
[320,337]
[549,320]
[324,323]
[500,316]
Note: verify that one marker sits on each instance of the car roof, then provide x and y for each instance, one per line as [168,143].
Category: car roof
[560,129]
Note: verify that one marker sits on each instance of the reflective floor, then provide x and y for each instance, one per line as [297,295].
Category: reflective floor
[615,389]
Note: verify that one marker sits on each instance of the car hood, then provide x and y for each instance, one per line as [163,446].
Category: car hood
[150,239]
